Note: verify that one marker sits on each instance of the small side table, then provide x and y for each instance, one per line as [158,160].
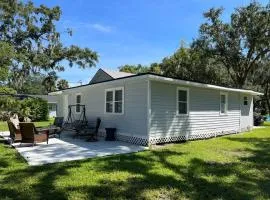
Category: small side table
[110,134]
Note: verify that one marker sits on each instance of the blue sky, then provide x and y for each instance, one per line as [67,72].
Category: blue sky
[131,31]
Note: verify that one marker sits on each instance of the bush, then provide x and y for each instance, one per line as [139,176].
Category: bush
[34,108]
[7,90]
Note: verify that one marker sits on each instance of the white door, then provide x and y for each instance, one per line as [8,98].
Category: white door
[246,106]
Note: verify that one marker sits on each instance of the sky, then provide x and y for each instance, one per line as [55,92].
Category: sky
[131,31]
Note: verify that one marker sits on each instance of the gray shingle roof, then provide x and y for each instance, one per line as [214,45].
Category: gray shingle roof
[115,74]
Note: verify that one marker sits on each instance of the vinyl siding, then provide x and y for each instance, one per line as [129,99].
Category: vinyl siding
[134,120]
[204,112]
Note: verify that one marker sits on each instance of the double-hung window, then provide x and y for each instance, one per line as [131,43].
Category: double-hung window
[78,103]
[114,100]
[223,103]
[182,101]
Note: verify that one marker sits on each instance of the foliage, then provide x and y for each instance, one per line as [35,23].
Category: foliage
[34,108]
[261,78]
[229,167]
[6,55]
[7,90]
[239,45]
[134,69]
[31,33]
[33,85]
[62,84]
[49,82]
[191,64]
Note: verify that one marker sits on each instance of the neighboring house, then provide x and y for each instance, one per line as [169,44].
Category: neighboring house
[147,108]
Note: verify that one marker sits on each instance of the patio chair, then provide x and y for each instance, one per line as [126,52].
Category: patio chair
[15,134]
[58,122]
[31,135]
[90,131]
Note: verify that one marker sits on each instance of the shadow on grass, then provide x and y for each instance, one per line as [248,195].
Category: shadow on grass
[158,170]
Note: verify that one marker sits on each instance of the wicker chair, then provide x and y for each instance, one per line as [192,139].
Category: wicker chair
[31,135]
[15,134]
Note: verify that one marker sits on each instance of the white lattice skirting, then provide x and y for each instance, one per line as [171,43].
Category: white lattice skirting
[168,139]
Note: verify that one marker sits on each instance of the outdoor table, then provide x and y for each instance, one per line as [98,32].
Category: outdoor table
[50,130]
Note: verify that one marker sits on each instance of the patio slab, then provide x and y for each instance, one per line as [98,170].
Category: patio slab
[68,149]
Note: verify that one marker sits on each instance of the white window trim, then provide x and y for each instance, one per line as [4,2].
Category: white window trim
[77,94]
[226,105]
[113,107]
[177,106]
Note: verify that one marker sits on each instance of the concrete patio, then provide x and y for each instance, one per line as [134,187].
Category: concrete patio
[68,149]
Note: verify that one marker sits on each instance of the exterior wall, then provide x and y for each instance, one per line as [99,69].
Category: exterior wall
[100,76]
[246,122]
[204,119]
[132,124]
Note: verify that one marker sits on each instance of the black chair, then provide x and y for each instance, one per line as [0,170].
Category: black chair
[58,122]
[90,131]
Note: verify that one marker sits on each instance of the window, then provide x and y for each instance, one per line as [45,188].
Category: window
[78,103]
[223,103]
[182,101]
[245,101]
[114,101]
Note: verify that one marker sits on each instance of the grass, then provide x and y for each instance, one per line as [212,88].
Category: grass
[4,127]
[229,167]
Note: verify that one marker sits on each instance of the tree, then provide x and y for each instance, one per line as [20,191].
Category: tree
[33,84]
[261,80]
[50,82]
[6,54]
[31,33]
[137,69]
[189,63]
[62,84]
[239,45]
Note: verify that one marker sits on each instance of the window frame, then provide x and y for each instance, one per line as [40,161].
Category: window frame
[113,101]
[226,103]
[177,101]
[78,94]
[245,100]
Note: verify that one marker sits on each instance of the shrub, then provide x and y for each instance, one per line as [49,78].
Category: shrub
[7,90]
[34,108]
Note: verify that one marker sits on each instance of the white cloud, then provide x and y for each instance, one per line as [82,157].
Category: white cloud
[86,25]
[101,28]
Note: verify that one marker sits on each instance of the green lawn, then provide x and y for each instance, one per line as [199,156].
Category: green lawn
[4,127]
[230,167]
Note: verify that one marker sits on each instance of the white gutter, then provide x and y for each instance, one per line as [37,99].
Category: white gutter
[55,93]
[200,85]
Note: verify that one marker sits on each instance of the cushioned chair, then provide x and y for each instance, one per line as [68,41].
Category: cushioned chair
[30,134]
[15,134]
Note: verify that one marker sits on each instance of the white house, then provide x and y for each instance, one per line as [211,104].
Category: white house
[147,108]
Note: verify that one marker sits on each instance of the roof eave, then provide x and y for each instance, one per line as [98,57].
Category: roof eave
[200,85]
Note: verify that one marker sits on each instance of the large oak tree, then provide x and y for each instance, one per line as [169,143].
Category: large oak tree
[29,31]
[239,45]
